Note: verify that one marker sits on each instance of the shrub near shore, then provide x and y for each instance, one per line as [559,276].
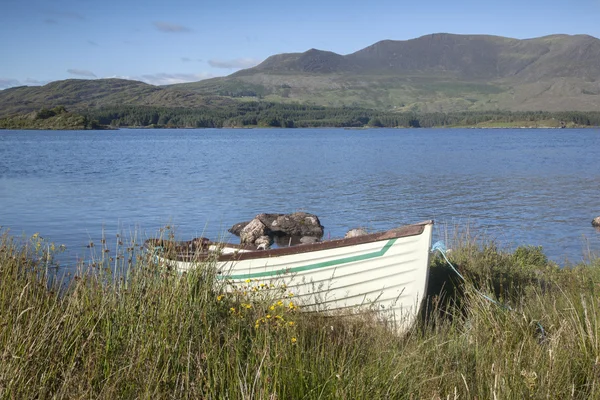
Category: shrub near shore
[143,332]
[57,118]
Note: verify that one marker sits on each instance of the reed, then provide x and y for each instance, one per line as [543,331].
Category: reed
[122,327]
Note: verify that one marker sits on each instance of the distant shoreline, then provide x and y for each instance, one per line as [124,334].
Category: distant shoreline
[261,116]
[109,128]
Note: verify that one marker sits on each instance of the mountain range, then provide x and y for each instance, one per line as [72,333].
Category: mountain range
[433,73]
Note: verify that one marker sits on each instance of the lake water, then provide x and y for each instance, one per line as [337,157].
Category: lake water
[514,186]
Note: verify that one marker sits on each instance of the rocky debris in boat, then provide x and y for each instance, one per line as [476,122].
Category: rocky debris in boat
[263,242]
[355,232]
[284,229]
[264,231]
[309,239]
[252,231]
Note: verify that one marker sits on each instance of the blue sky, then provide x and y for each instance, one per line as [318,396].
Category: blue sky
[163,42]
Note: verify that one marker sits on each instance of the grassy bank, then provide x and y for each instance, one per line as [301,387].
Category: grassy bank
[151,334]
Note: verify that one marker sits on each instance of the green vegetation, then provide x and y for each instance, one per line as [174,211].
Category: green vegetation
[243,114]
[381,92]
[55,118]
[146,332]
[264,114]
[231,88]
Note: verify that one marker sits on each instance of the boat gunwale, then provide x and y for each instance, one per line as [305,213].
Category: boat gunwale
[395,233]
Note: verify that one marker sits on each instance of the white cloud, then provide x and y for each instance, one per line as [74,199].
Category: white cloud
[234,64]
[187,59]
[164,78]
[81,72]
[170,28]
[6,83]
[35,82]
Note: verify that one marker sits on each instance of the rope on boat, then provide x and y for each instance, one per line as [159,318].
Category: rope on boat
[441,248]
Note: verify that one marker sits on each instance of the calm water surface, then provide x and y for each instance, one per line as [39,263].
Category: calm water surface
[538,187]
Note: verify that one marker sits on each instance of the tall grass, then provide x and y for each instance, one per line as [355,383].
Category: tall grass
[148,333]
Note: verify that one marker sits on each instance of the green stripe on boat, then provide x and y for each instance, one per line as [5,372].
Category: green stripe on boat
[309,267]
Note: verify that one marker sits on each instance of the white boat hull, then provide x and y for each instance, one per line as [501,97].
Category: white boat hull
[388,275]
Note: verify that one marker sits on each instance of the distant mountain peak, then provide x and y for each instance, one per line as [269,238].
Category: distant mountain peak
[468,56]
[311,61]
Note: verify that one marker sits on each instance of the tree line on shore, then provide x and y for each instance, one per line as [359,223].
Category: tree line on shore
[263,114]
[260,114]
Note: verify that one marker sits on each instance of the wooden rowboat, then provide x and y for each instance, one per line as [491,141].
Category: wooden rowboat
[385,271]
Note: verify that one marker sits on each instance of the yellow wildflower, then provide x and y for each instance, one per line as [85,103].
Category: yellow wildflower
[294,340]
[220,297]
[232,309]
[268,316]
[272,308]
[248,280]
[280,303]
[291,323]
